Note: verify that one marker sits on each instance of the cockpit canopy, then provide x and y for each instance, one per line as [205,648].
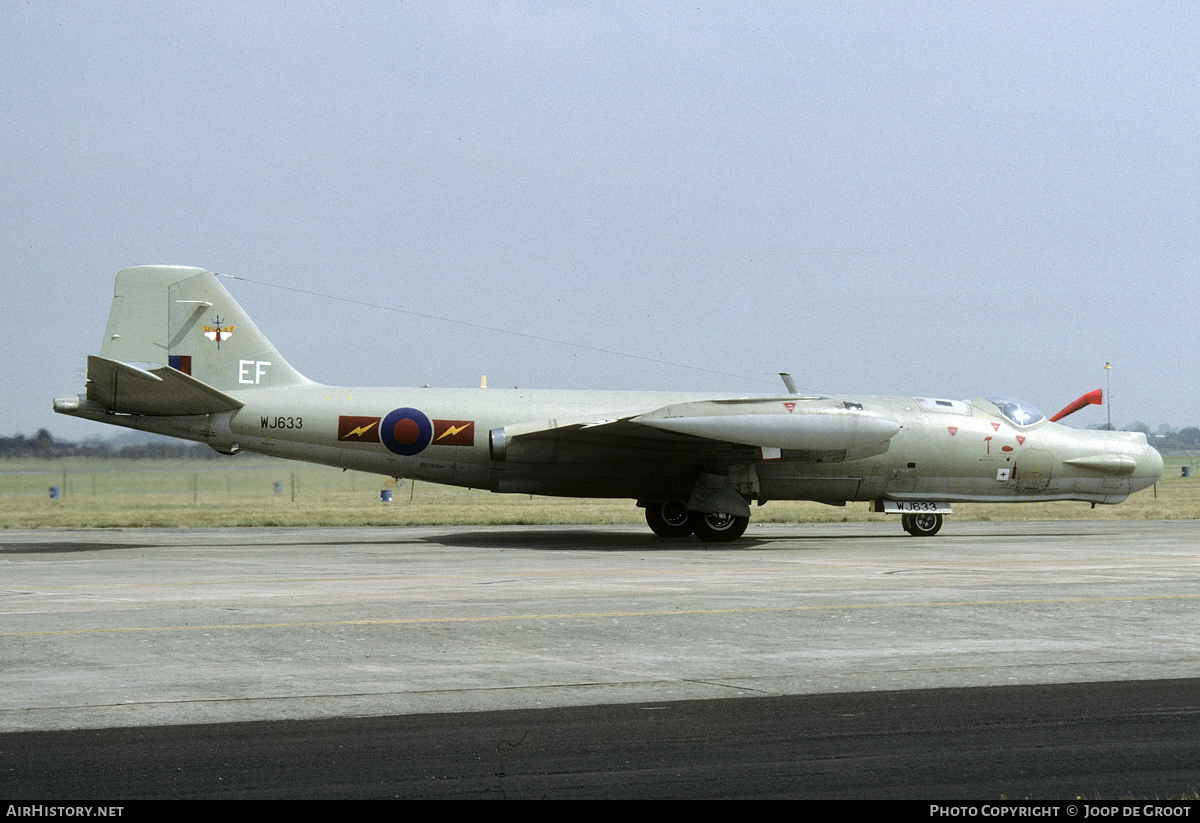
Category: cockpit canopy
[1018,412]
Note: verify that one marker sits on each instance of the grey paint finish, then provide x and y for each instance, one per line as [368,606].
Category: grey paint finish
[181,357]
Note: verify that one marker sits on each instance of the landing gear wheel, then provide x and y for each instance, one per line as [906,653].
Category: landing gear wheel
[669,518]
[921,525]
[719,528]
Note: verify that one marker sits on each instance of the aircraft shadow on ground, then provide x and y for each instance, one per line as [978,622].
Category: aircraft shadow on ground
[582,539]
[598,539]
[42,547]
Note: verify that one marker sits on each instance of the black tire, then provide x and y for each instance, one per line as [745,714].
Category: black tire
[669,518]
[924,524]
[719,528]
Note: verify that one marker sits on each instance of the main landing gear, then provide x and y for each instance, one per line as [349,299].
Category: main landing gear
[923,524]
[671,518]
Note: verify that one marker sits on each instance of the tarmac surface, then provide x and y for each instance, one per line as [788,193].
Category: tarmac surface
[119,629]
[1133,740]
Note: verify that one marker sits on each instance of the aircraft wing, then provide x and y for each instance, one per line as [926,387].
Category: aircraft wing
[122,387]
[599,439]
[705,430]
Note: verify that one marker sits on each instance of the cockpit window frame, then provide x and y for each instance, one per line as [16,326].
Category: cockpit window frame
[1018,412]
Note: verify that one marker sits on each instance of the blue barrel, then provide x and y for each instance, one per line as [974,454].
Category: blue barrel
[1186,471]
[385,496]
[54,492]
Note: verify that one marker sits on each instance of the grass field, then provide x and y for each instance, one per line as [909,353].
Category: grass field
[242,492]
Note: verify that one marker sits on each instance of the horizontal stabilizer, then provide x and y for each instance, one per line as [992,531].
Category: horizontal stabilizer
[120,387]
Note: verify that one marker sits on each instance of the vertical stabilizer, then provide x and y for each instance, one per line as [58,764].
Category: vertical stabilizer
[182,317]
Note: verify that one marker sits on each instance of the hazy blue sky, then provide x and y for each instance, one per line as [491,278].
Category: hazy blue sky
[947,199]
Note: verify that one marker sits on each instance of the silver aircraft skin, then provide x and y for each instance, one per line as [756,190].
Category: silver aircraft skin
[181,358]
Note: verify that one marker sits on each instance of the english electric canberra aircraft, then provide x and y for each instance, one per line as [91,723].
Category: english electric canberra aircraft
[181,358]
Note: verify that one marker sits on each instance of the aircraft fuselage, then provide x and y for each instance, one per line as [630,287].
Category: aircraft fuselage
[967,453]
[180,357]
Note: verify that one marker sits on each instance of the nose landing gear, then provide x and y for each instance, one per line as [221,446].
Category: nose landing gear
[923,524]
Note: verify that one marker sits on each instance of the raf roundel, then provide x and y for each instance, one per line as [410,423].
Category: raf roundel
[406,431]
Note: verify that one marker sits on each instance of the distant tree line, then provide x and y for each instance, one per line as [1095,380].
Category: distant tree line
[43,445]
[1165,438]
[1184,440]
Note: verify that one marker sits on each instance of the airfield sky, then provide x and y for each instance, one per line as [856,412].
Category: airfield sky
[932,199]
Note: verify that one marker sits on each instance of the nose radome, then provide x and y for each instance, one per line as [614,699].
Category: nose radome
[1149,465]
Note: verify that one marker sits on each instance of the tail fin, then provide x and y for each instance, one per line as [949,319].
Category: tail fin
[182,317]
